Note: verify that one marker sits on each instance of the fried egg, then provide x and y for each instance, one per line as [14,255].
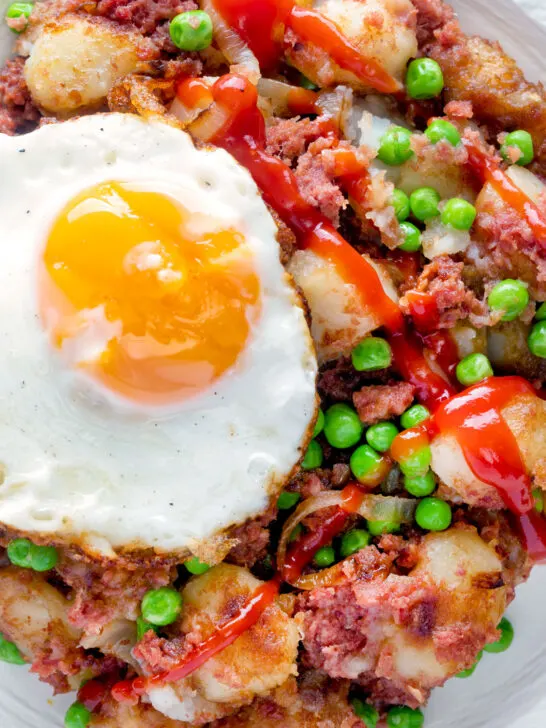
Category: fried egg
[158,375]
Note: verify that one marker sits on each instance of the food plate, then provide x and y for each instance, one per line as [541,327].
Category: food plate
[507,690]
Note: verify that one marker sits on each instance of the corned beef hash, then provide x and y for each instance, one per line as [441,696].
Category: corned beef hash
[274,345]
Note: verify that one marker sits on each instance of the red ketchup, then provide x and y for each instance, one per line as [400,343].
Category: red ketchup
[261,25]
[488,169]
[473,417]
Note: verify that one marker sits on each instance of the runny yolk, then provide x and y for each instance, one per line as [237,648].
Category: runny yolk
[148,297]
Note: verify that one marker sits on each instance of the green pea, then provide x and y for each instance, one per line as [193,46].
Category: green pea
[424,203]
[411,236]
[366,712]
[414,416]
[418,463]
[196,567]
[540,314]
[365,462]
[143,626]
[378,528]
[473,368]
[395,146]
[313,456]
[536,341]
[505,640]
[325,556]
[371,354]
[9,652]
[191,31]
[354,541]
[342,426]
[161,606]
[458,214]
[19,10]
[433,514]
[400,203]
[510,296]
[470,670]
[77,716]
[19,552]
[43,558]
[538,496]
[381,435]
[440,129]
[403,717]
[420,485]
[319,424]
[521,140]
[424,79]
[22,552]
[307,83]
[287,500]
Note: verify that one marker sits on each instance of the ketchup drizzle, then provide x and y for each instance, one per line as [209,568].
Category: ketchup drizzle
[260,24]
[489,170]
[473,417]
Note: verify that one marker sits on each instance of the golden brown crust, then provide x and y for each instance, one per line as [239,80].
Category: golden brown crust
[479,71]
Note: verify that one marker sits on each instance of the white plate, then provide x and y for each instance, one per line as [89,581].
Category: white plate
[507,690]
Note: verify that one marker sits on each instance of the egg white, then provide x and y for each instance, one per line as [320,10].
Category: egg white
[80,463]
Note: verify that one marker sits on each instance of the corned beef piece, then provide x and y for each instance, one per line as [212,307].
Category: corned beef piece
[17,110]
[145,15]
[253,540]
[379,402]
[442,280]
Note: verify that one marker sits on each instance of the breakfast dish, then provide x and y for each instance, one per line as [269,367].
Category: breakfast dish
[274,433]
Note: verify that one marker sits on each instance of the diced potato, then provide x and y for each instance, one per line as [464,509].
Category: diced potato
[31,611]
[261,659]
[526,418]
[75,62]
[340,319]
[381,29]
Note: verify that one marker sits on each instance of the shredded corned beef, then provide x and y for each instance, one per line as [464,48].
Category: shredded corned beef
[442,279]
[17,111]
[105,592]
[288,138]
[338,380]
[156,654]
[253,540]
[432,16]
[145,15]
[378,402]
[459,110]
[315,182]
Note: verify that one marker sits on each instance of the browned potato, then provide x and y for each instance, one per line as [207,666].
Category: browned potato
[382,29]
[339,317]
[526,418]
[32,611]
[75,61]
[262,658]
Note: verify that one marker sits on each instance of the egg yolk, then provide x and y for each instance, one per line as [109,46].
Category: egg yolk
[147,296]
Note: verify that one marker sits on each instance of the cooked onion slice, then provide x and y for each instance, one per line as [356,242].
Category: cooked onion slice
[373,508]
[237,53]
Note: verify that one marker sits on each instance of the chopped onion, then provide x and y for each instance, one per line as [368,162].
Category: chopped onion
[373,508]
[337,105]
[237,53]
[116,638]
[276,93]
[306,507]
[208,124]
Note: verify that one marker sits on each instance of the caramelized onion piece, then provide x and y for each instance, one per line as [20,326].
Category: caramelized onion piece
[237,53]
[373,508]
